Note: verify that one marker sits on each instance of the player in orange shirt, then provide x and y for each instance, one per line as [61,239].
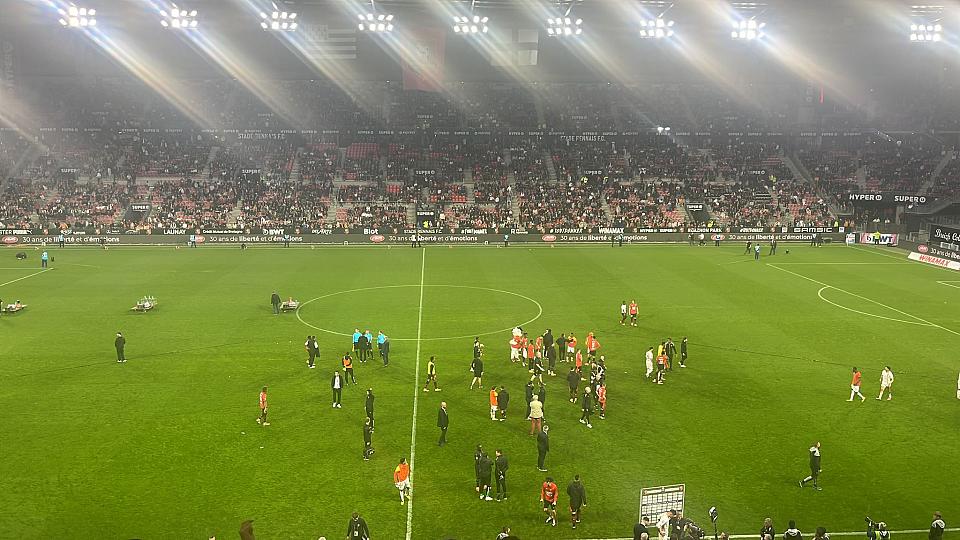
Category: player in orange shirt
[493,403]
[661,367]
[262,419]
[579,362]
[401,479]
[592,345]
[548,496]
[855,385]
[633,312]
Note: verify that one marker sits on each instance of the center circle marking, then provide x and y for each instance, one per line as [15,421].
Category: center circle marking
[381,287]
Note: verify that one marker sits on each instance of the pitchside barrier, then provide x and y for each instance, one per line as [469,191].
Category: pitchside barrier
[471,237]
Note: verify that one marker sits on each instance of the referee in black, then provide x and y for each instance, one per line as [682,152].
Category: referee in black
[814,467]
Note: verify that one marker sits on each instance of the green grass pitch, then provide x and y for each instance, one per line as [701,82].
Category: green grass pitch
[166,446]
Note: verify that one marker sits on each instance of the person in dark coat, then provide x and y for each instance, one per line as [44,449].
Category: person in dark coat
[543,446]
[578,498]
[362,346]
[357,528]
[275,302]
[119,343]
[246,530]
[367,438]
[368,407]
[485,468]
[501,473]
[503,399]
[443,422]
[542,396]
[573,382]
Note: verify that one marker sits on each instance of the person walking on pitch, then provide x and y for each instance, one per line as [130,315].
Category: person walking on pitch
[367,439]
[578,499]
[336,384]
[476,366]
[886,383]
[548,496]
[543,446]
[503,400]
[262,419]
[586,407]
[814,467]
[348,369]
[401,479]
[485,468]
[855,385]
[368,406]
[493,403]
[275,302]
[431,375]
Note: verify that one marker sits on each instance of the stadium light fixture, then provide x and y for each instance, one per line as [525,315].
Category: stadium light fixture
[658,28]
[375,22]
[474,24]
[564,27]
[73,16]
[926,32]
[279,20]
[179,19]
[748,30]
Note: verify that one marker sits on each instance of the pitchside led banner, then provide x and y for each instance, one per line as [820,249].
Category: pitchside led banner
[885,200]
[944,235]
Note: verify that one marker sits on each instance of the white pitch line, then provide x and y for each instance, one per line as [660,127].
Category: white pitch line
[843,263]
[865,250]
[950,284]
[25,277]
[843,533]
[820,294]
[416,394]
[954,332]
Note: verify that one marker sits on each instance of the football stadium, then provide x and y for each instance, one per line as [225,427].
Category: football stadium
[480,269]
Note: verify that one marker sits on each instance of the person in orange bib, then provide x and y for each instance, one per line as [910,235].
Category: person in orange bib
[633,309]
[401,479]
[579,363]
[661,367]
[493,403]
[602,399]
[348,369]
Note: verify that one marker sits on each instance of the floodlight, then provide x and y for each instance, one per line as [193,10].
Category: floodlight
[372,22]
[77,17]
[470,25]
[564,26]
[278,20]
[656,28]
[926,32]
[178,18]
[748,30]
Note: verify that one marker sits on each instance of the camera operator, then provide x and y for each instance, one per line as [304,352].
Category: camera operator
[877,530]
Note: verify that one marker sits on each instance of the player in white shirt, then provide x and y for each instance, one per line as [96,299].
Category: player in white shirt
[663,525]
[649,360]
[623,313]
[886,383]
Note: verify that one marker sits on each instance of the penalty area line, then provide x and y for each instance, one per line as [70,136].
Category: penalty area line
[827,285]
[25,277]
[416,394]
